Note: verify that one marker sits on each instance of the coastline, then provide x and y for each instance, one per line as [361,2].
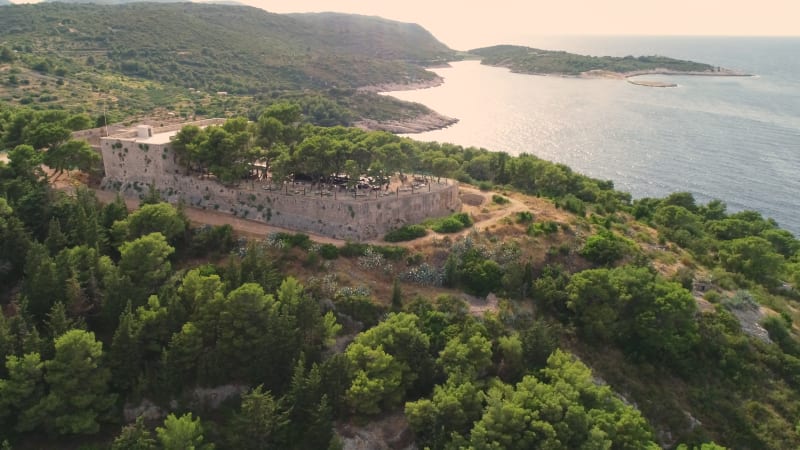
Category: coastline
[607,74]
[422,123]
[390,87]
[425,122]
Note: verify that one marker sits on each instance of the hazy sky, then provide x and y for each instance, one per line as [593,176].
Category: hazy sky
[465,24]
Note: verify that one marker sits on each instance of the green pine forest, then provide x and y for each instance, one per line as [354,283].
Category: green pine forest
[621,323]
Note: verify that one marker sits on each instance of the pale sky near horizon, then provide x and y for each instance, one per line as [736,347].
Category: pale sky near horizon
[468,24]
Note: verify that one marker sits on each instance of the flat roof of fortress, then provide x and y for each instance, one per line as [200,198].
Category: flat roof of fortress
[158,135]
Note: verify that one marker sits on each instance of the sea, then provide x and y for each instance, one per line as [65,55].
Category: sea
[736,139]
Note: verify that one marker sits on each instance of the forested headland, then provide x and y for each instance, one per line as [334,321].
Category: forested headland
[536,61]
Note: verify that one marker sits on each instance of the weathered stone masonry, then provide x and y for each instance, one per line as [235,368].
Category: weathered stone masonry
[134,160]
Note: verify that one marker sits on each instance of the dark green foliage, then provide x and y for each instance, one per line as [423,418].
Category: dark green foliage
[329,251]
[261,423]
[500,200]
[524,217]
[216,240]
[361,309]
[78,394]
[405,233]
[255,267]
[606,248]
[451,224]
[572,204]
[533,60]
[539,228]
[649,317]
[397,296]
[753,257]
[352,249]
[14,243]
[386,361]
[569,410]
[299,240]
[135,436]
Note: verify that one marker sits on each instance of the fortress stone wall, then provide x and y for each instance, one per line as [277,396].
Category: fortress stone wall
[132,164]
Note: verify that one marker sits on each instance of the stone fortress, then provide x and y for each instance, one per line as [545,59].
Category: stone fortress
[136,159]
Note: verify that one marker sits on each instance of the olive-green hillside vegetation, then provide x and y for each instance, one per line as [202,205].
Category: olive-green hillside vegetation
[135,57]
[601,338]
[536,61]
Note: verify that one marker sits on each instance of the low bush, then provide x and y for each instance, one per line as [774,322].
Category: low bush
[406,233]
[329,251]
[524,217]
[500,200]
[448,225]
[539,228]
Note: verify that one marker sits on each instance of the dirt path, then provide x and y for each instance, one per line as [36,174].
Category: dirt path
[256,229]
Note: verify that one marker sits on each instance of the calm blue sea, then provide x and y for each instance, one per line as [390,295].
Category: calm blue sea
[732,138]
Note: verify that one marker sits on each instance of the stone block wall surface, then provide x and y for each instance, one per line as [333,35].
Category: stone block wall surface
[132,167]
[344,217]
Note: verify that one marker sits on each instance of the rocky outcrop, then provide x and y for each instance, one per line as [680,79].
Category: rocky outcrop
[420,124]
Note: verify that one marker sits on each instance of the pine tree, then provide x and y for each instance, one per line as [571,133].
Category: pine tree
[56,239]
[135,436]
[78,384]
[397,297]
[124,356]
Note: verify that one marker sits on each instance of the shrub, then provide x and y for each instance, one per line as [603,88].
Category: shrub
[606,248]
[353,249]
[485,186]
[572,204]
[406,233]
[524,217]
[464,218]
[300,240]
[448,225]
[391,252]
[500,200]
[360,308]
[329,251]
[539,228]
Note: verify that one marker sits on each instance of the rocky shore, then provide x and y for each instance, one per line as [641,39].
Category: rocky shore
[420,124]
[390,87]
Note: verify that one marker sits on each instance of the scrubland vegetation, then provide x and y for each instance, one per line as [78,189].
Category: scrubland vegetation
[142,307]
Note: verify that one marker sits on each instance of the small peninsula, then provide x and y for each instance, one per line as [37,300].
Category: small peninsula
[535,61]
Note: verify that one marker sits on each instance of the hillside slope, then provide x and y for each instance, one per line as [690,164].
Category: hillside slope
[160,54]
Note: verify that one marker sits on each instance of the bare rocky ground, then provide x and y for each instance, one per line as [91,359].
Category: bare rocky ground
[390,432]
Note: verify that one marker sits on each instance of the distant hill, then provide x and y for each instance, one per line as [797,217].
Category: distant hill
[238,49]
[4,2]
[377,37]
[533,60]
[171,53]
